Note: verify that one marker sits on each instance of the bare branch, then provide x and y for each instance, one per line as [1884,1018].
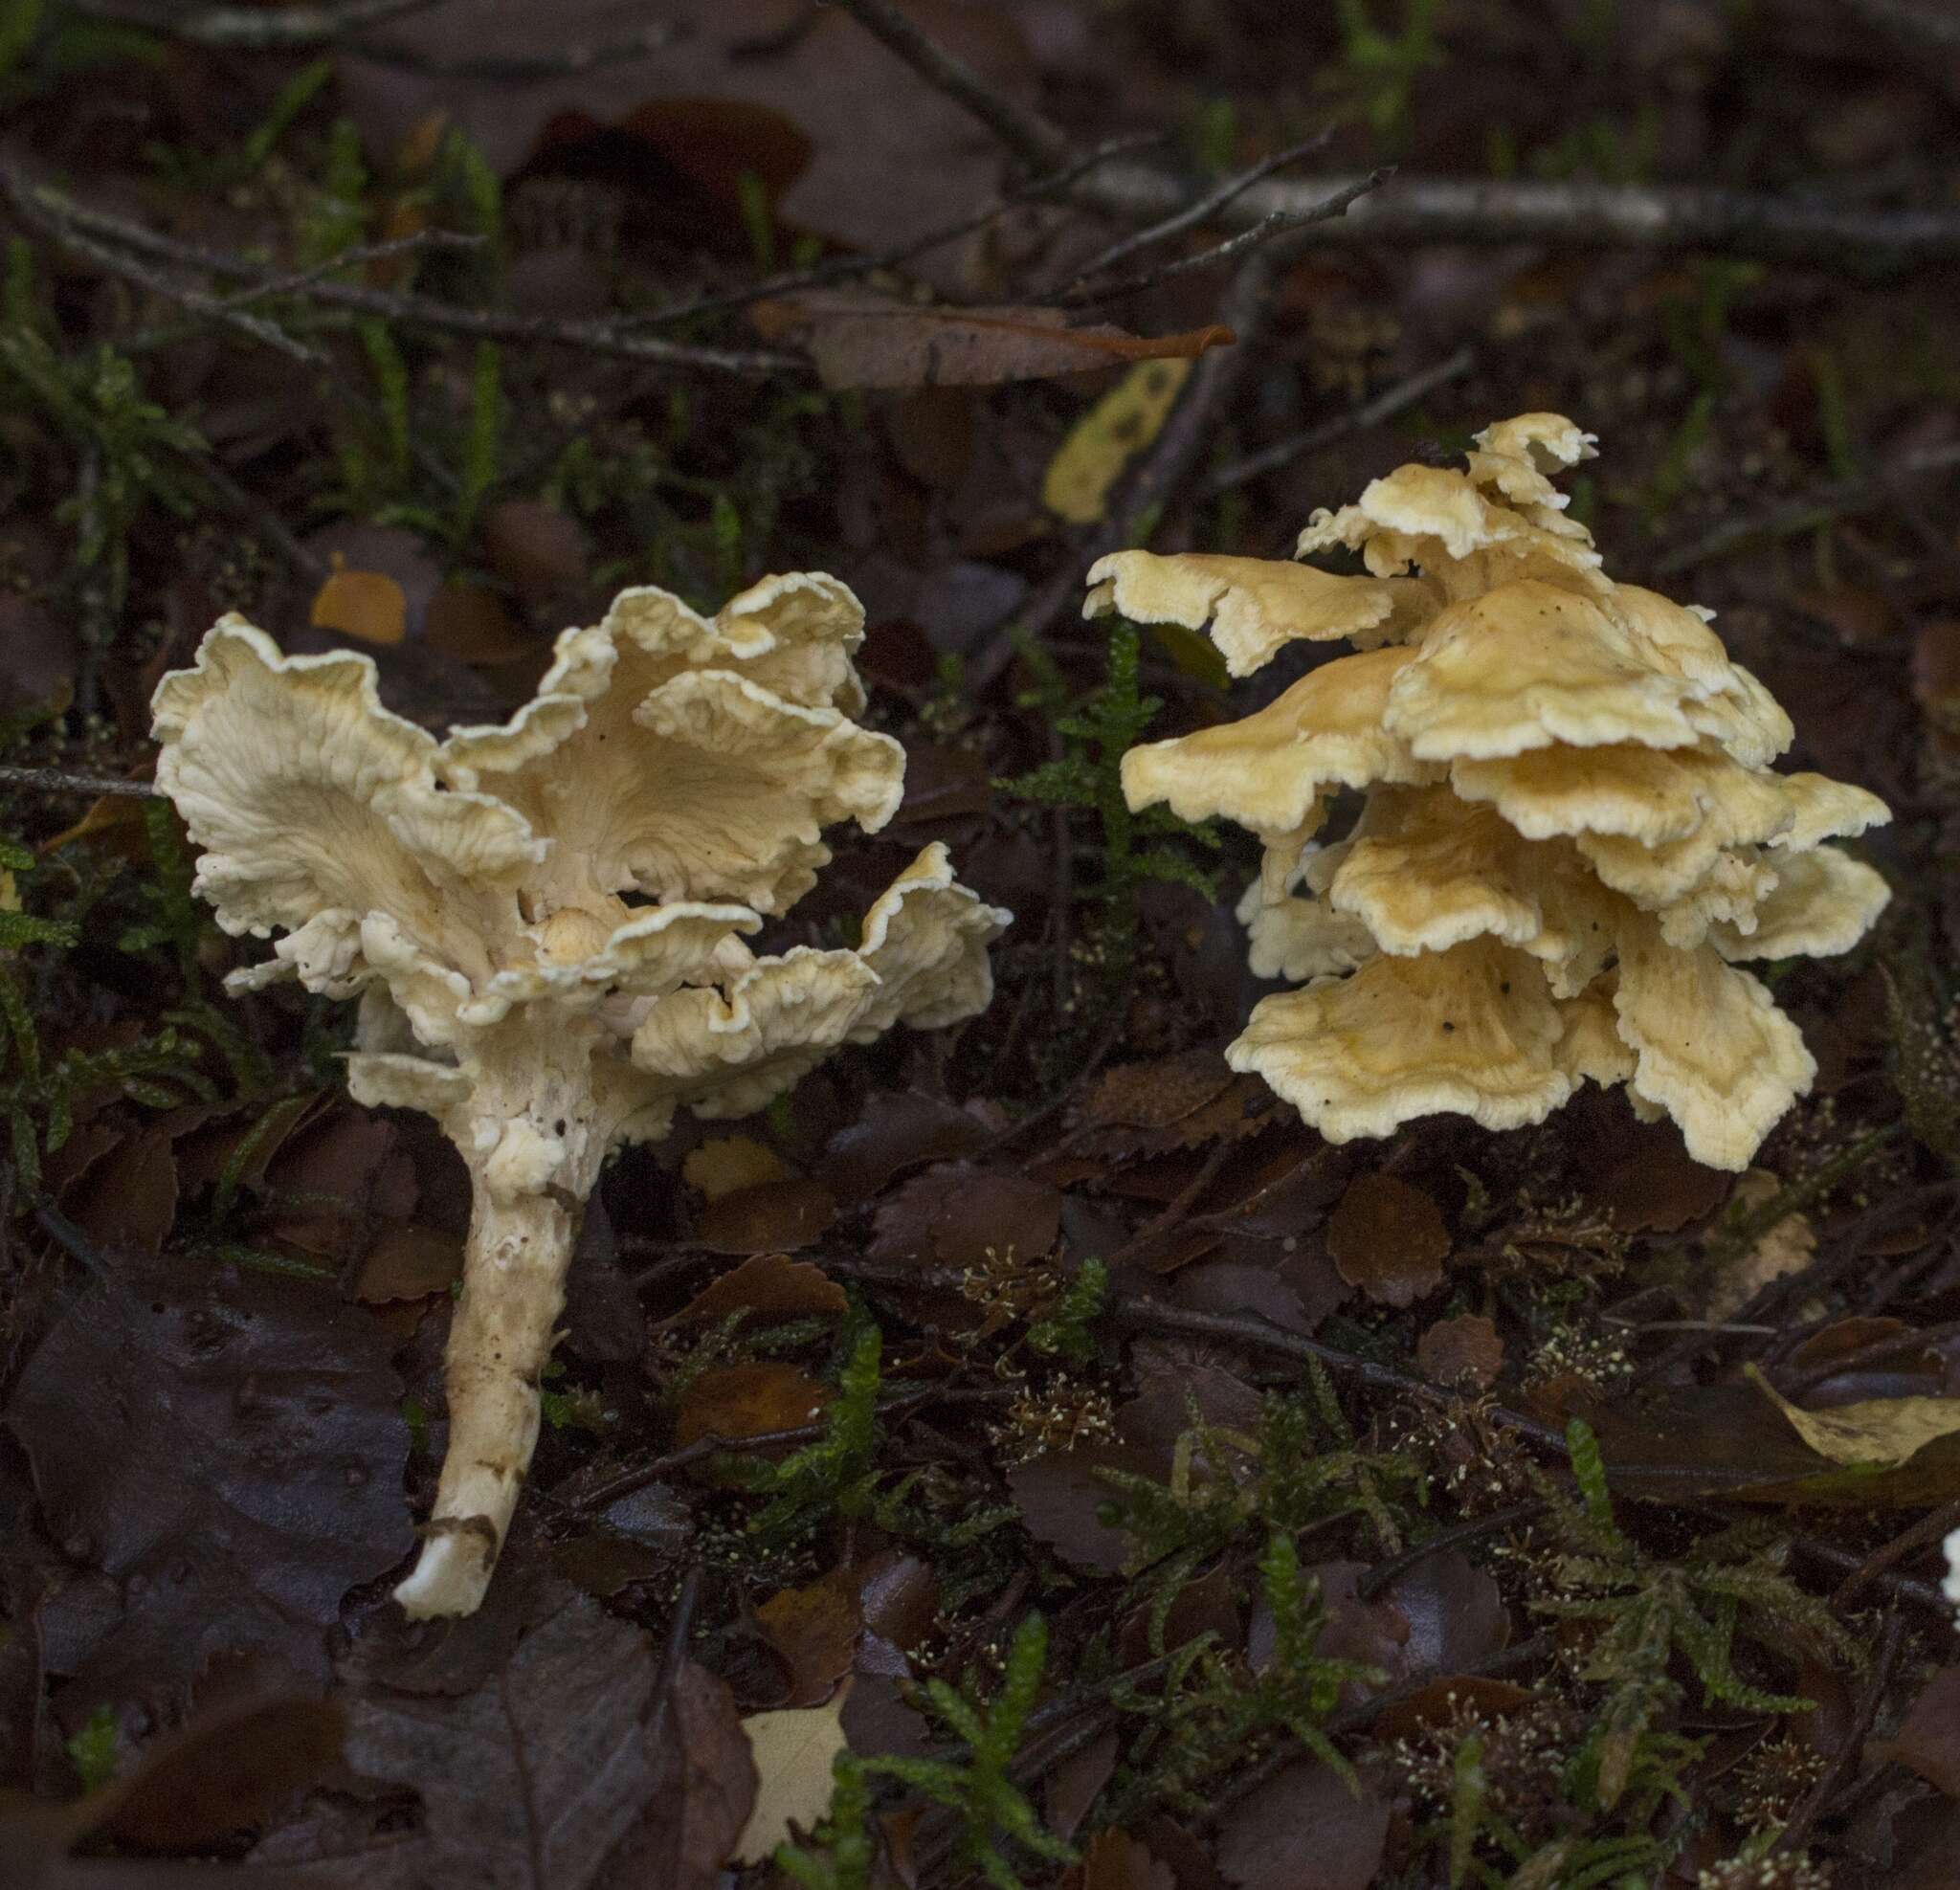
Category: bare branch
[258,28]
[1203,210]
[1276,223]
[57,780]
[1845,240]
[1039,144]
[46,207]
[844,268]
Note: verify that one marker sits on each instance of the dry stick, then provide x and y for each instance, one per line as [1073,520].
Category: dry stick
[1813,1801]
[518,68]
[1263,1335]
[1200,211]
[1031,137]
[57,780]
[41,203]
[845,268]
[1819,507]
[258,30]
[1844,240]
[1278,224]
[1371,412]
[1901,1587]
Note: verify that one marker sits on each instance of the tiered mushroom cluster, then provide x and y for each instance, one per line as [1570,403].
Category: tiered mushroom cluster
[1570,831]
[544,920]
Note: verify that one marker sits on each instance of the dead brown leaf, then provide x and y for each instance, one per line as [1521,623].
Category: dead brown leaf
[771,1217]
[1388,1238]
[1117,1862]
[749,1401]
[1304,1828]
[816,1630]
[1465,1348]
[1929,1741]
[865,341]
[770,1286]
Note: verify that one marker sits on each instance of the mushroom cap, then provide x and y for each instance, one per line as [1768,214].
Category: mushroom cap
[1823,903]
[923,961]
[691,759]
[1267,771]
[1472,1031]
[1424,871]
[1710,1046]
[1255,605]
[1297,938]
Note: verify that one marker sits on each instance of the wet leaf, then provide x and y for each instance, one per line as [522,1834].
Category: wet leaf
[471,624]
[771,1217]
[1304,1828]
[749,1401]
[899,1130]
[1466,1349]
[865,340]
[1388,1240]
[131,1200]
[230,1450]
[1117,1862]
[409,1261]
[816,1630]
[1929,1741]
[793,1751]
[769,1287]
[1074,1785]
[535,549]
[1060,1495]
[565,1767]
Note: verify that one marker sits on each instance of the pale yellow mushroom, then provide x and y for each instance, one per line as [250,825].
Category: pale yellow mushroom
[547,918]
[1569,824]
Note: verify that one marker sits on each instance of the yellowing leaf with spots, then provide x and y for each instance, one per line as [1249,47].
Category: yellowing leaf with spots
[1883,1432]
[1106,440]
[794,1751]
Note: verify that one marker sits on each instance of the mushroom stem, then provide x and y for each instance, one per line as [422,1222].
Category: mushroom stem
[534,1148]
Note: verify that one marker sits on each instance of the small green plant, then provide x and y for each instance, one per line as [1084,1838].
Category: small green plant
[835,1475]
[1210,1709]
[1138,849]
[1301,1470]
[1650,1609]
[1065,1330]
[92,1751]
[995,1816]
[1379,66]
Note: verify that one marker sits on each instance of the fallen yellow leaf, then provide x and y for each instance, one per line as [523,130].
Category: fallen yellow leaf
[369,605]
[1104,440]
[1883,1432]
[794,1751]
[730,1163]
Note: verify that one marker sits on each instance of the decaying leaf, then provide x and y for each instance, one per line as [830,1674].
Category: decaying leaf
[866,340]
[1388,1240]
[768,1287]
[793,1750]
[1104,440]
[228,1449]
[1880,1434]
[368,605]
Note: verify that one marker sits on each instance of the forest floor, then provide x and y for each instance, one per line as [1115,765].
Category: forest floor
[1194,1503]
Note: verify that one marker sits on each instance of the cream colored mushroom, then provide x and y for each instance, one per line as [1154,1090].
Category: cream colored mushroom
[1570,825]
[546,919]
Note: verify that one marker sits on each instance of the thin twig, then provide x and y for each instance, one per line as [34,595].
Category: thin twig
[1202,210]
[1039,144]
[1844,240]
[1371,412]
[1794,1833]
[1928,1530]
[257,29]
[520,68]
[846,268]
[1471,1529]
[1877,1352]
[59,781]
[1901,1587]
[43,204]
[1280,223]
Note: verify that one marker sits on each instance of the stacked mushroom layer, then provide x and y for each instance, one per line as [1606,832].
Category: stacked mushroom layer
[1571,832]
[546,921]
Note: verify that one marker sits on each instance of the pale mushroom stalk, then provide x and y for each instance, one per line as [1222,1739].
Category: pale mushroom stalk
[534,1143]
[475,893]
